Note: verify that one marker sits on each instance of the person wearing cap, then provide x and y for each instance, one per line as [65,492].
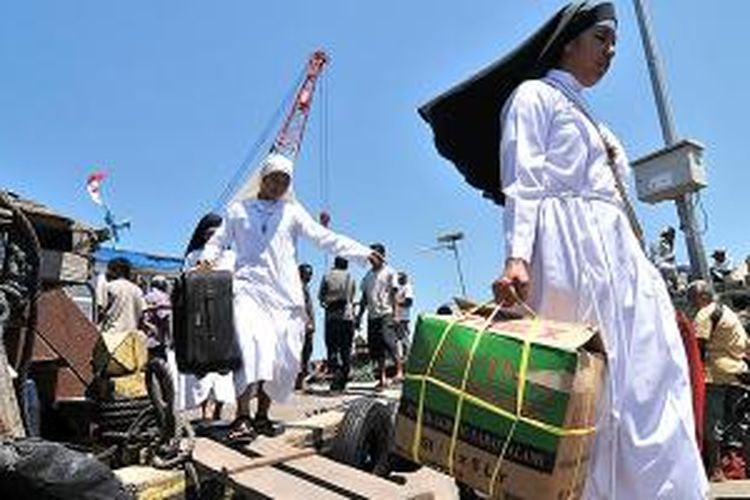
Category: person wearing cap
[263,227]
[573,245]
[722,265]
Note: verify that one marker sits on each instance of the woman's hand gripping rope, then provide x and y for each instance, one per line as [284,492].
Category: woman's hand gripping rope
[514,284]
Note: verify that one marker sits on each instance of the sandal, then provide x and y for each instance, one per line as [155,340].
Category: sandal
[241,430]
[265,427]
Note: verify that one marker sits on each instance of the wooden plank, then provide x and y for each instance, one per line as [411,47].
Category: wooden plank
[317,431]
[273,483]
[284,471]
[354,480]
[267,481]
[225,460]
[729,490]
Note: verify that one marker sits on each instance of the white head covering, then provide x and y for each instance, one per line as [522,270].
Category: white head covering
[274,162]
[608,23]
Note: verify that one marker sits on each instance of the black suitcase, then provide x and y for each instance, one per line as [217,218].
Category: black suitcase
[203,313]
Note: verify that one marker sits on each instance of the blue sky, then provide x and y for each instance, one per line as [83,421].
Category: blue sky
[169,96]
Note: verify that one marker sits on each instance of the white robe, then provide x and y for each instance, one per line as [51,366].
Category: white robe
[564,216]
[269,304]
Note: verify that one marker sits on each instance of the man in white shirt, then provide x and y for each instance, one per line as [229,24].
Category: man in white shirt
[378,299]
[404,300]
[125,304]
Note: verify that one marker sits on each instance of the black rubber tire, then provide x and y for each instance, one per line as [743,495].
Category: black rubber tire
[126,413]
[364,437]
[115,405]
[119,414]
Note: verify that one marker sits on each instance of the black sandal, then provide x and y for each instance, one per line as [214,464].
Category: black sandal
[241,430]
[265,427]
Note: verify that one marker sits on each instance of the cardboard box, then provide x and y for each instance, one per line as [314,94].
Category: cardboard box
[508,408]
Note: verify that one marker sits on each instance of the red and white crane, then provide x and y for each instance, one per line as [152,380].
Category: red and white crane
[289,139]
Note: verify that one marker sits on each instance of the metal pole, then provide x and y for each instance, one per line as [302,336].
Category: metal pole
[685,204]
[454,247]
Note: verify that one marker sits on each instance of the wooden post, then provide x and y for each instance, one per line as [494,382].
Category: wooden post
[11,424]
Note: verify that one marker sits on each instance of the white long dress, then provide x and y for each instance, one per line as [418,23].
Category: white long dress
[564,216]
[269,304]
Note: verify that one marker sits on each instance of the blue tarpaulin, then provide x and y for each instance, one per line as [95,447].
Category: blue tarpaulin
[141,260]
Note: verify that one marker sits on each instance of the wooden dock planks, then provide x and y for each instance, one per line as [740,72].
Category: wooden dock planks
[284,471]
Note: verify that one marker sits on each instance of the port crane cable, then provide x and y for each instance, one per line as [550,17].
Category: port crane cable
[240,175]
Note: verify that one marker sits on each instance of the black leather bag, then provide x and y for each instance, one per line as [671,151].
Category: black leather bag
[204,335]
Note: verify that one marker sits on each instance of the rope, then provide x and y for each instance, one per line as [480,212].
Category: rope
[520,394]
[241,173]
[516,416]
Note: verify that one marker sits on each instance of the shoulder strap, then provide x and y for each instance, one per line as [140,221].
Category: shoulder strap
[619,185]
[716,315]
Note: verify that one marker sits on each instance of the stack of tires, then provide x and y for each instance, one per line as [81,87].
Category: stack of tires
[117,415]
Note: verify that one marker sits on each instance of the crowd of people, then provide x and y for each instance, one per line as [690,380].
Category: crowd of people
[723,272]
[274,310]
[717,347]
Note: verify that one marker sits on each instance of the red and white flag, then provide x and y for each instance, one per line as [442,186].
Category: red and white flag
[94,186]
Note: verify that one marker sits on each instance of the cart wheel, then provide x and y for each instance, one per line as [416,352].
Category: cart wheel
[364,436]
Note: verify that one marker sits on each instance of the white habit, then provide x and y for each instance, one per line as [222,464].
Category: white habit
[563,215]
[269,305]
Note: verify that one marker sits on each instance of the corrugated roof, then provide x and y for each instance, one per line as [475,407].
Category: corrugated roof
[34,208]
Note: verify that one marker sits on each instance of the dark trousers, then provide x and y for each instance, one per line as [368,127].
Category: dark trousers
[339,336]
[719,400]
[307,349]
[381,339]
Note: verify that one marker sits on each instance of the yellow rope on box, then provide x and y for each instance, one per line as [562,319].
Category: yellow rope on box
[520,394]
[462,390]
[463,396]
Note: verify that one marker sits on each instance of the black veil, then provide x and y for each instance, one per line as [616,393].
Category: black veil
[465,120]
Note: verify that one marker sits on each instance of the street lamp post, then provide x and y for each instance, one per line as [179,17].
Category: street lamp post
[685,204]
[449,241]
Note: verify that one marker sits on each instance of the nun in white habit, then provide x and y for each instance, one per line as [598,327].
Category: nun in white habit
[263,228]
[572,244]
[193,391]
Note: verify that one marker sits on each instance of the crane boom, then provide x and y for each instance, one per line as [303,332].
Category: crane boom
[289,139]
